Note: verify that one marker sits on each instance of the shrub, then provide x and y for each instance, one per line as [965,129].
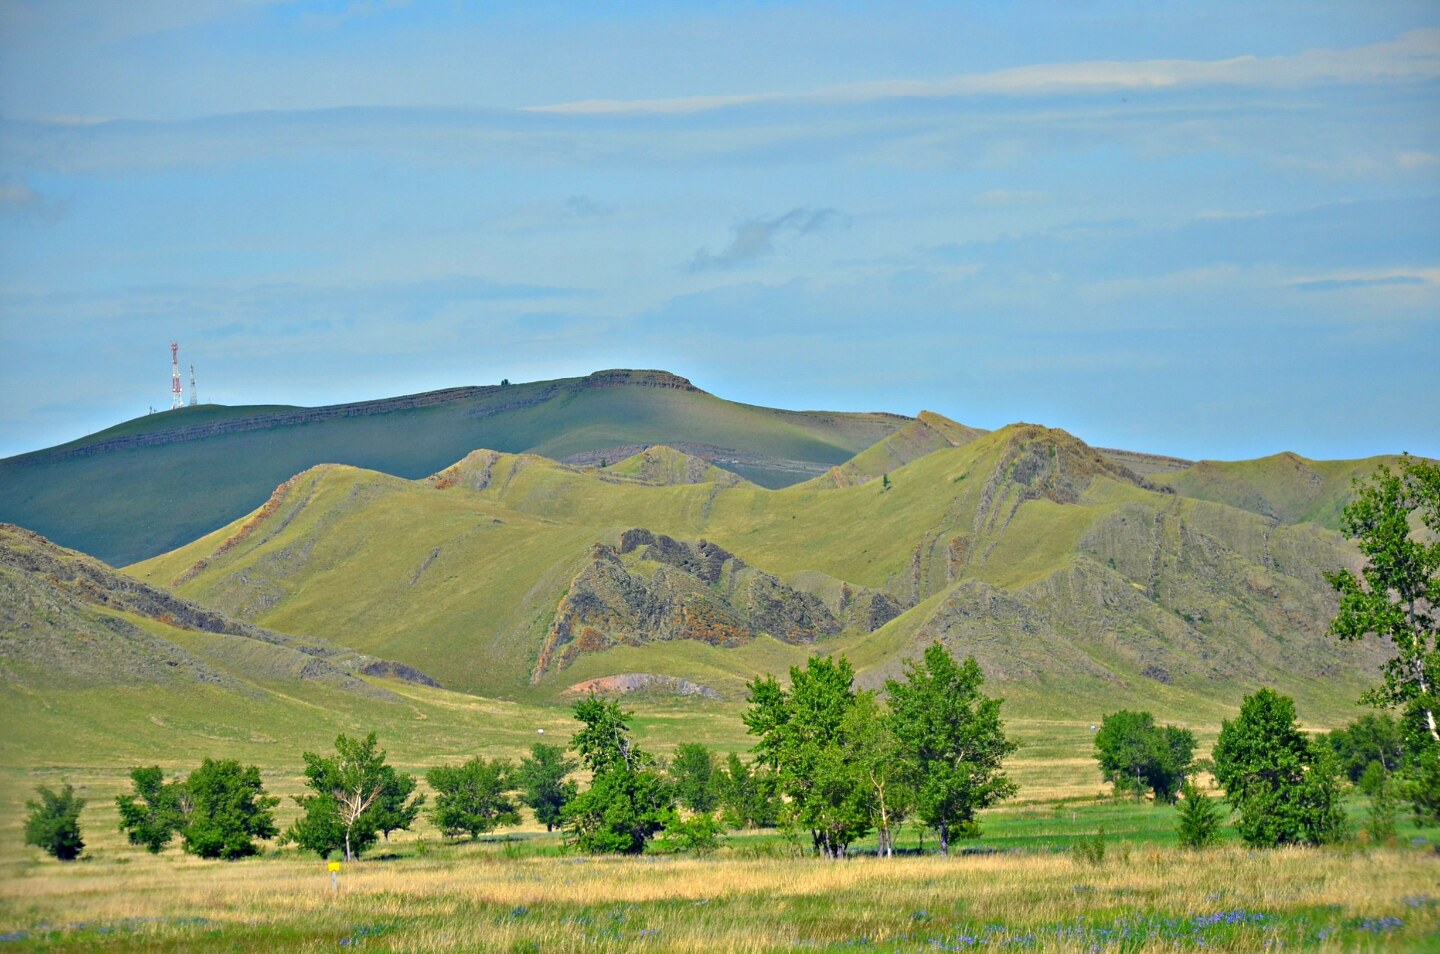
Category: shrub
[1199,821]
[53,824]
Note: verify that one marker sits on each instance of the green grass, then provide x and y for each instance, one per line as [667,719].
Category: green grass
[1285,486]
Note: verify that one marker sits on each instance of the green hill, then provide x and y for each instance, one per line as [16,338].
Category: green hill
[1080,585]
[97,668]
[1285,487]
[157,482]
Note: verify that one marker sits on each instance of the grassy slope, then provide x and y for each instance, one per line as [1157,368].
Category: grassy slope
[1287,487]
[1066,603]
[130,503]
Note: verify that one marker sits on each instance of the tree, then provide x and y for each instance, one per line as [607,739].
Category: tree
[1199,820]
[882,768]
[1284,788]
[472,797]
[1396,595]
[749,794]
[803,739]
[628,801]
[155,812]
[951,735]
[1136,755]
[227,809]
[53,822]
[693,771]
[350,801]
[1374,737]
[394,810]
[541,779]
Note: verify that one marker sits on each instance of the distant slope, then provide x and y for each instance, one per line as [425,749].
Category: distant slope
[157,482]
[95,664]
[1284,487]
[1079,584]
[929,432]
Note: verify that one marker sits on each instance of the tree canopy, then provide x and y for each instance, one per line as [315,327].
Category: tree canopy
[1136,755]
[355,793]
[628,800]
[1283,787]
[951,736]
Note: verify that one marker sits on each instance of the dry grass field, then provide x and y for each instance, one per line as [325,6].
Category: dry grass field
[489,897]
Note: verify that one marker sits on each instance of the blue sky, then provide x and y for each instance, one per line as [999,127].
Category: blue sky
[1208,230]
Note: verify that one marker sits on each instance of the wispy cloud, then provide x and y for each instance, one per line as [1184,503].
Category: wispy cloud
[1343,281]
[21,201]
[755,238]
[1411,57]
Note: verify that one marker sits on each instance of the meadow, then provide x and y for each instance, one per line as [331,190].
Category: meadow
[1020,886]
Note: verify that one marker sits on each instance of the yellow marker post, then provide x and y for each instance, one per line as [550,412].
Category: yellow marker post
[334,867]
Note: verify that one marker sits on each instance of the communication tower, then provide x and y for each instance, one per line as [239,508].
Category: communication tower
[194,394]
[175,397]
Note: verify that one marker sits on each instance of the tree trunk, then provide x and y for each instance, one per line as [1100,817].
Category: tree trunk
[347,845]
[944,840]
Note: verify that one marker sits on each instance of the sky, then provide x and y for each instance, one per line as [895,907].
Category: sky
[1205,230]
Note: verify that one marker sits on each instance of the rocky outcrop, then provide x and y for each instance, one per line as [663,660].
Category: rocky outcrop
[626,683]
[653,587]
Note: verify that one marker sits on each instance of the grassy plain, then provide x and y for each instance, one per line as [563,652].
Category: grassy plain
[1017,887]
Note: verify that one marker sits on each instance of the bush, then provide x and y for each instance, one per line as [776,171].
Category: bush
[698,834]
[1199,821]
[1089,851]
[472,797]
[53,824]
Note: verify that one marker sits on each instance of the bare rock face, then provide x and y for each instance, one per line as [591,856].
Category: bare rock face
[626,683]
[654,588]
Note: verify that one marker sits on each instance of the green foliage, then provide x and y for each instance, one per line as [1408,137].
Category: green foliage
[951,737]
[155,811]
[604,741]
[803,739]
[699,834]
[1383,809]
[1198,825]
[1136,755]
[1374,737]
[1397,594]
[1284,788]
[227,809]
[749,794]
[355,793]
[53,822]
[472,797]
[888,778]
[1422,787]
[628,801]
[394,810]
[620,812]
[542,784]
[1089,851]
[693,771]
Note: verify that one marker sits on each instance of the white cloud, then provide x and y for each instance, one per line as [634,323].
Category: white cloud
[1411,57]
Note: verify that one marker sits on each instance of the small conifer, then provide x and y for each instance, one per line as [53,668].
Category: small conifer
[1199,824]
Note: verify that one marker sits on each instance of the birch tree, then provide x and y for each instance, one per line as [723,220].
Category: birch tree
[1395,521]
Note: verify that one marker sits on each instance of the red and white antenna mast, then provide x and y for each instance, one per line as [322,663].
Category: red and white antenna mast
[175,397]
